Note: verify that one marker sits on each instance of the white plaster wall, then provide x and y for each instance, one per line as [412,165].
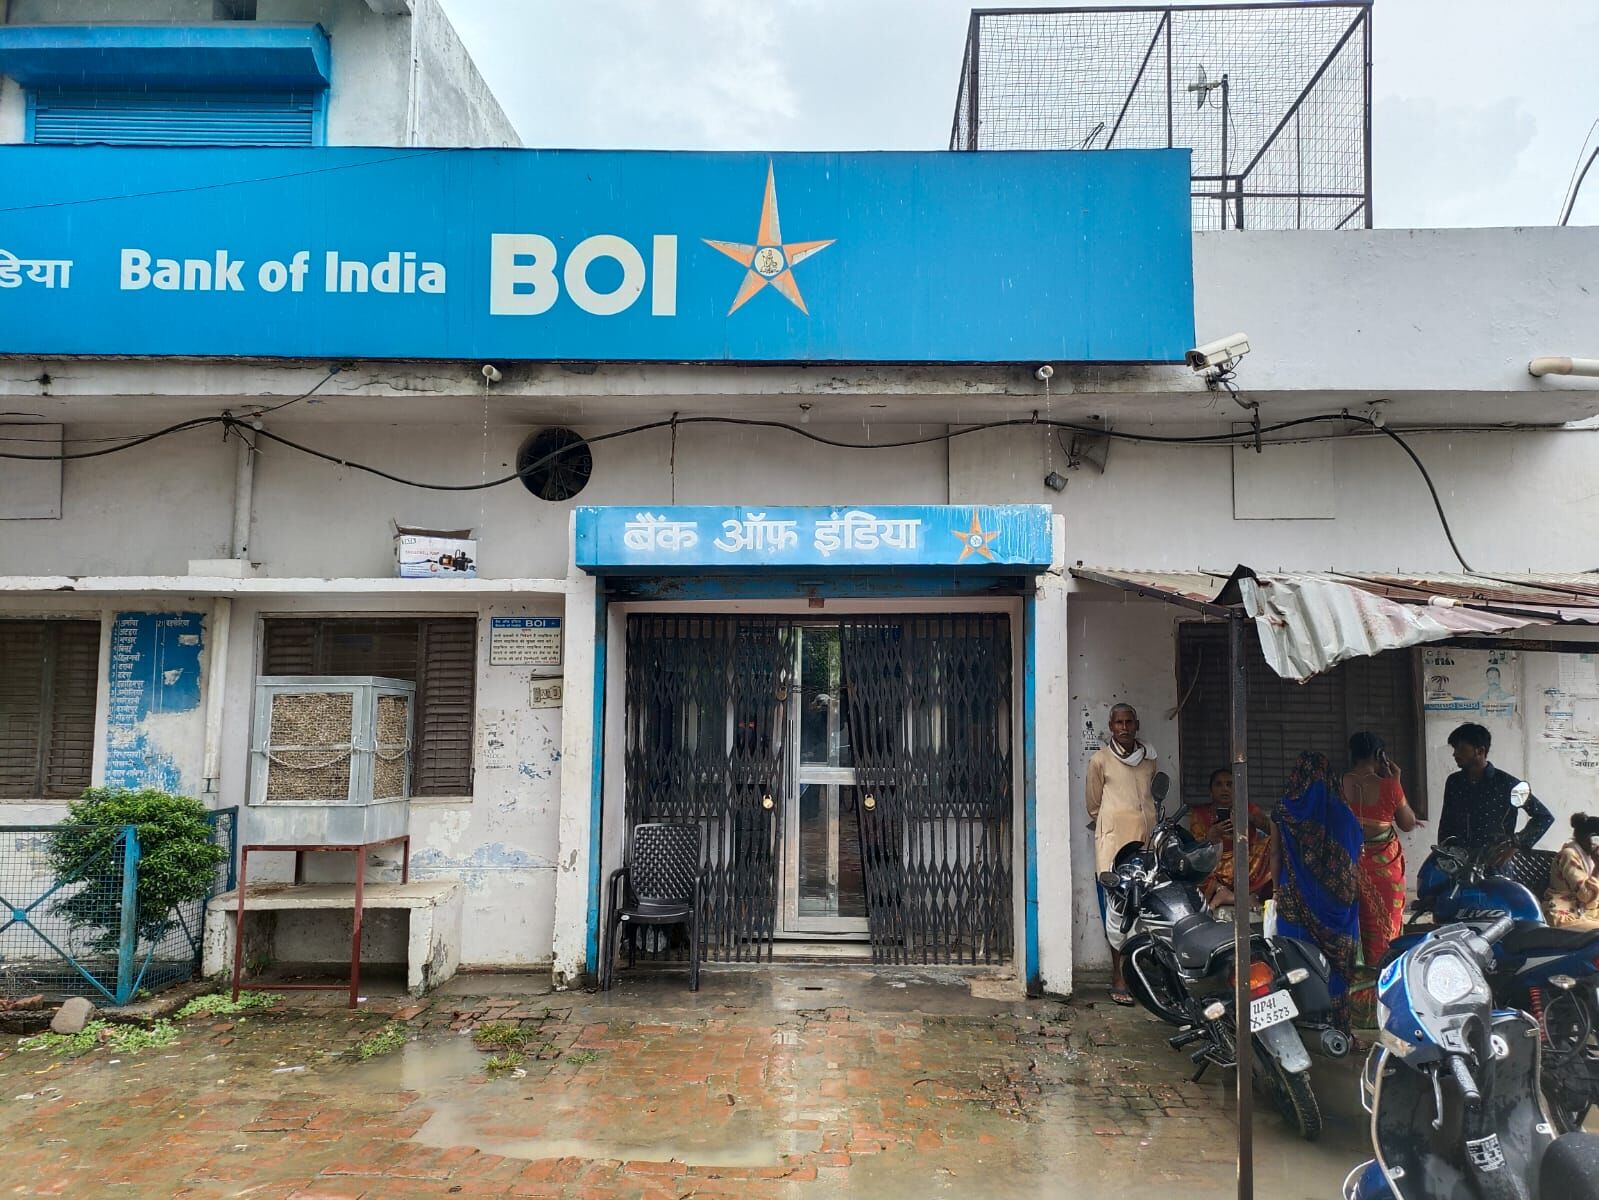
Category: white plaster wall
[453,103]
[1396,309]
[313,518]
[371,54]
[1154,507]
[1122,652]
[1517,502]
[183,486]
[501,842]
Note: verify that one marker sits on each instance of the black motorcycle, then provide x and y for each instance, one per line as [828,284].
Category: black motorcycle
[1178,960]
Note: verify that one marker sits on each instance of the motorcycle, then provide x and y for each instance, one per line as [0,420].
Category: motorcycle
[1551,973]
[1179,964]
[1452,1086]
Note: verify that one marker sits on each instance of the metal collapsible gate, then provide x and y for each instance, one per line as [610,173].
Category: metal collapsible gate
[928,700]
[705,745]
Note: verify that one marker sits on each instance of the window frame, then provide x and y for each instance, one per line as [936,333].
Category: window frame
[321,621]
[48,699]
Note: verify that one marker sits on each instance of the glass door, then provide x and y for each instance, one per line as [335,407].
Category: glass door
[824,887]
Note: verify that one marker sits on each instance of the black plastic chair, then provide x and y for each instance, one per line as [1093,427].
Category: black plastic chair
[659,886]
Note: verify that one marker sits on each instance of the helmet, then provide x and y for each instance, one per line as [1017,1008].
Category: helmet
[1185,858]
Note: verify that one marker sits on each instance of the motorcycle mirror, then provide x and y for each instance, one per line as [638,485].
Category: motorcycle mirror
[1108,879]
[1159,786]
[1519,795]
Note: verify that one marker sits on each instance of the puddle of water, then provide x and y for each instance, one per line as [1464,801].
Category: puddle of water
[423,1066]
[453,1125]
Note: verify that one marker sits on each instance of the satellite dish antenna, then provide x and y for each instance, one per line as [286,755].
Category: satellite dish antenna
[1201,85]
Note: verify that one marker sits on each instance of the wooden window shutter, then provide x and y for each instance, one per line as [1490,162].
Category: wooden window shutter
[438,654]
[49,678]
[69,756]
[22,676]
[290,648]
[445,695]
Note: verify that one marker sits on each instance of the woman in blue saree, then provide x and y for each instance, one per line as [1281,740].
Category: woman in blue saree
[1317,850]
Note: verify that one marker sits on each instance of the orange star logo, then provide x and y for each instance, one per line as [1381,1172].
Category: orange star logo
[770,260]
[975,540]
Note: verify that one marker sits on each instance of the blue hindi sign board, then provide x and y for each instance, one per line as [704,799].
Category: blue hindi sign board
[1012,537]
[1016,256]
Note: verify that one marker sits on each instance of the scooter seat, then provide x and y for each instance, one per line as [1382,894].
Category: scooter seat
[1527,938]
[1197,939]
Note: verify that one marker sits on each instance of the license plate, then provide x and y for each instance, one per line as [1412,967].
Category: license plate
[1271,1010]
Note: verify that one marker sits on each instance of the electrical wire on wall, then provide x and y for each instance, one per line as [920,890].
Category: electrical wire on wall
[1203,439]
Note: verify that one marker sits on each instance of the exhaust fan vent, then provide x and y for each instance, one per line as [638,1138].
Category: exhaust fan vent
[559,477]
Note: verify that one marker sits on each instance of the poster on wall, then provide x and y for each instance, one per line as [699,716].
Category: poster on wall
[1479,685]
[1571,712]
[154,671]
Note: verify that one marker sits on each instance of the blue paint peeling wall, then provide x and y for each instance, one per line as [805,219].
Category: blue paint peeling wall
[154,671]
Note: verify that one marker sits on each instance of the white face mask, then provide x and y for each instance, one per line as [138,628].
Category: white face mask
[1593,842]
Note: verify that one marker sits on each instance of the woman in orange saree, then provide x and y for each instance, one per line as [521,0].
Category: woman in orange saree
[1374,792]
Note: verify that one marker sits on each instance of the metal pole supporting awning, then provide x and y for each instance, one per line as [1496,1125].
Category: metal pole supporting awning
[1308,623]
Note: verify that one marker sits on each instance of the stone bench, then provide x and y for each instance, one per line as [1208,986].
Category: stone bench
[433,939]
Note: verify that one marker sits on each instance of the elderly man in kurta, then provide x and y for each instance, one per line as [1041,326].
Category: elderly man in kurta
[1121,808]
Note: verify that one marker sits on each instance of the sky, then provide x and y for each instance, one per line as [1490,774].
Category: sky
[1480,110]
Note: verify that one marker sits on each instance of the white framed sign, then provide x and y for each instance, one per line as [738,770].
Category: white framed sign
[525,641]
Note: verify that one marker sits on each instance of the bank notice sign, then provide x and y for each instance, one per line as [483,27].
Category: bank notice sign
[524,641]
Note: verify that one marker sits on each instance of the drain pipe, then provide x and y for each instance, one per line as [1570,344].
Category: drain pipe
[222,614]
[243,494]
[216,681]
[1539,367]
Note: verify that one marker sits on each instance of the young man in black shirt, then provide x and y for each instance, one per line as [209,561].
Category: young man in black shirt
[1477,809]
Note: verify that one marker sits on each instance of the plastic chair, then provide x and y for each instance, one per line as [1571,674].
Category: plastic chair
[659,886]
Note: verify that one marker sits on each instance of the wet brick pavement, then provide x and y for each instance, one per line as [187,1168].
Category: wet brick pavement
[792,1083]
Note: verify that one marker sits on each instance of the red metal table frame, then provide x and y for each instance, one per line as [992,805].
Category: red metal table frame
[360,850]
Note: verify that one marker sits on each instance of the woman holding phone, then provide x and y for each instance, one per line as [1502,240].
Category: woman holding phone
[1373,790]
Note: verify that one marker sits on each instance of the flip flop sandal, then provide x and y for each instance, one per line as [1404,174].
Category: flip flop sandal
[1122,997]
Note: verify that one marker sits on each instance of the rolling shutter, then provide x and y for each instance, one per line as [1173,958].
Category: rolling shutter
[49,676]
[75,118]
[1376,694]
[438,654]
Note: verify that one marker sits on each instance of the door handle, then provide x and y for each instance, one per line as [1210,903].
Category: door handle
[869,802]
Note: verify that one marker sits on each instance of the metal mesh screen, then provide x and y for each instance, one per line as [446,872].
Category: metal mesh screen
[310,751]
[1284,144]
[44,950]
[392,748]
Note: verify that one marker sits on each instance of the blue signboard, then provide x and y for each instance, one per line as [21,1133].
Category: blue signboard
[961,537]
[155,671]
[1017,256]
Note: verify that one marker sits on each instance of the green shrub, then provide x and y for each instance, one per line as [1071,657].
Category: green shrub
[222,1004]
[385,1041]
[121,1039]
[178,860]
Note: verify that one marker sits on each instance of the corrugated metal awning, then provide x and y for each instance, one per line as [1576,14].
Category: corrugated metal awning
[1309,621]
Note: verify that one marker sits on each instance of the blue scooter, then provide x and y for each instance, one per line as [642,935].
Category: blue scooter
[1551,973]
[1452,1087]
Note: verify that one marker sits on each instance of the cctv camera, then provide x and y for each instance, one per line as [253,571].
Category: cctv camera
[1215,354]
